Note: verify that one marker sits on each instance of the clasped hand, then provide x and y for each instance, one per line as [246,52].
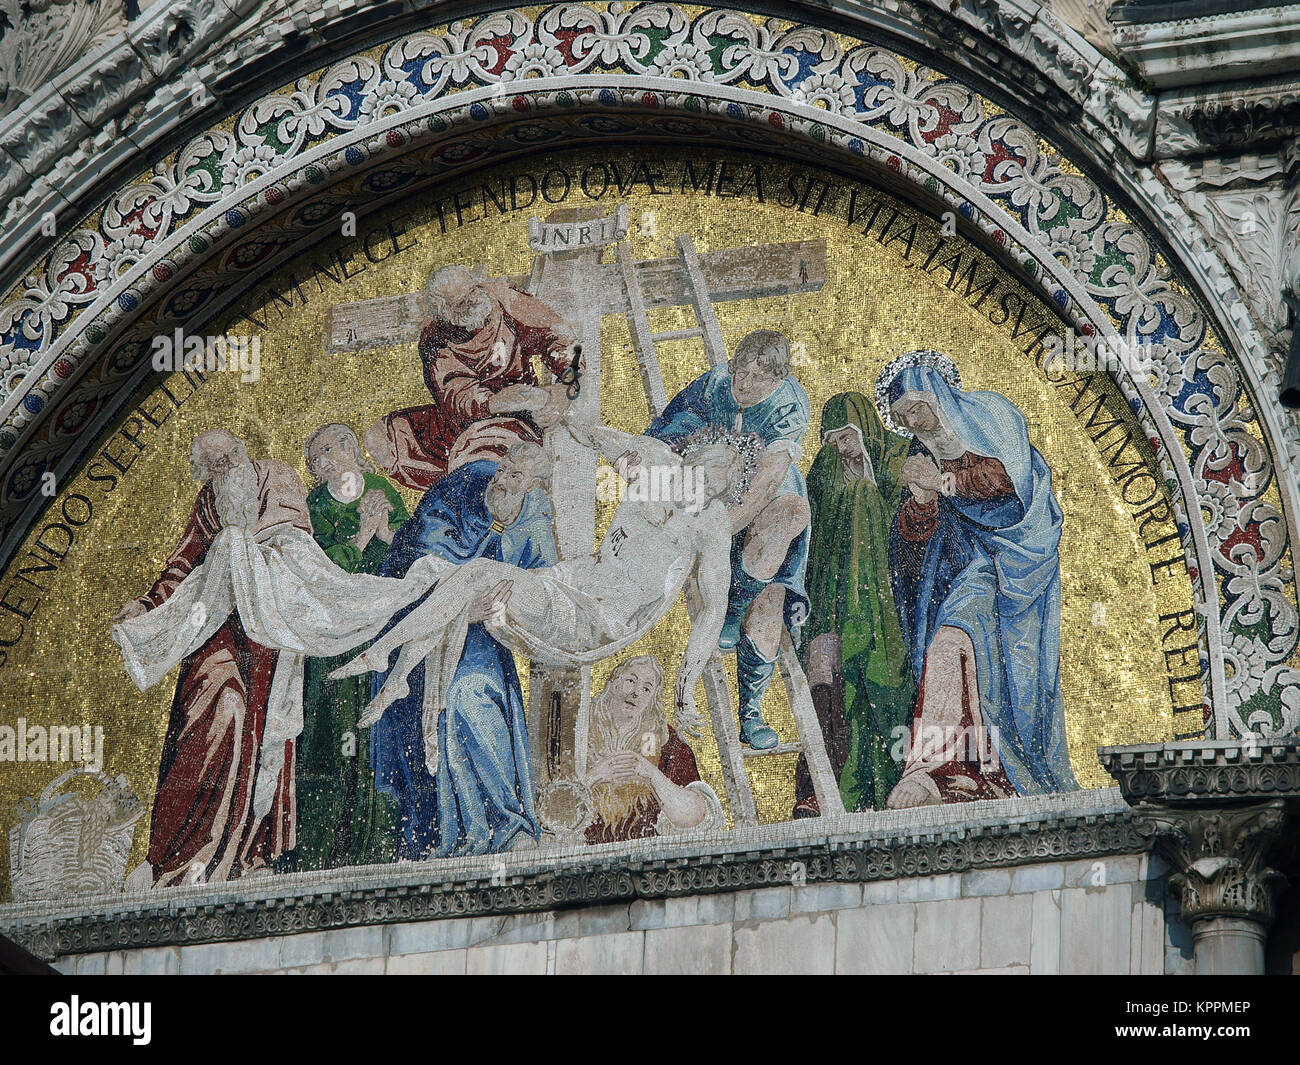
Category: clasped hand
[922,476]
[621,768]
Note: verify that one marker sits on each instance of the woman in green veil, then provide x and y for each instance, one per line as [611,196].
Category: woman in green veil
[857,662]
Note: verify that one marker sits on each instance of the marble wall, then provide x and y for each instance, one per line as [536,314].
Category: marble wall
[1104,916]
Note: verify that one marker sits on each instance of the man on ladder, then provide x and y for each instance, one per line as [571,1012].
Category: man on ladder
[756,392]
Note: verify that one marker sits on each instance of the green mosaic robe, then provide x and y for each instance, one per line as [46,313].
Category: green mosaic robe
[342,819]
[849,589]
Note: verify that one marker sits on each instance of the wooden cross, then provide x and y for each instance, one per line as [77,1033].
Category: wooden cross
[570,277]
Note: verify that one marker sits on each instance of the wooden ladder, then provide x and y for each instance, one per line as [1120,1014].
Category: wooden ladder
[726,727]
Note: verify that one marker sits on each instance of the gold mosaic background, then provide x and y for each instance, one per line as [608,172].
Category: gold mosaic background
[67,670]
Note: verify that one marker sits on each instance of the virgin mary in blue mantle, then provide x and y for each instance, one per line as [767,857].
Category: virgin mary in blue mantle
[991,567]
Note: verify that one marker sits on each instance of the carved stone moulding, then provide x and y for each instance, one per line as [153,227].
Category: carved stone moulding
[1257,120]
[1182,50]
[1197,772]
[476,887]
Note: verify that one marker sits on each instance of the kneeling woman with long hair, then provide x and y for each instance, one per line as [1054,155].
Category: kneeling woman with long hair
[643,778]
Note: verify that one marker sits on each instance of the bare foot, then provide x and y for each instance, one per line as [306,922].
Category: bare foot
[917,790]
[354,668]
[388,694]
[372,714]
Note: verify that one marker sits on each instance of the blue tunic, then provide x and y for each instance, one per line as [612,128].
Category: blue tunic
[482,796]
[784,415]
[992,568]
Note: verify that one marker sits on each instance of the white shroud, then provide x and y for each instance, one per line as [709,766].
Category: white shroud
[571,614]
[290,597]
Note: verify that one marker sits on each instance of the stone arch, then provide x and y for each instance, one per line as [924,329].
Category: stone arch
[221,210]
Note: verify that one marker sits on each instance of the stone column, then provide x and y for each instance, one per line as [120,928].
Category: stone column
[1226,889]
[1214,810]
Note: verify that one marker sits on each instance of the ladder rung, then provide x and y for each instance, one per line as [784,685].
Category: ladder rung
[780,748]
[677,334]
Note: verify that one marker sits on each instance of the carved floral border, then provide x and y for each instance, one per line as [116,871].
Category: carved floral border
[587,881]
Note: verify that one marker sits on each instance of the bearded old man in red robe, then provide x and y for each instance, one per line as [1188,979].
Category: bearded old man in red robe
[477,350]
[205,827]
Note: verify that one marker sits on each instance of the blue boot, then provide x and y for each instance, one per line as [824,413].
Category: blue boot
[753,675]
[740,597]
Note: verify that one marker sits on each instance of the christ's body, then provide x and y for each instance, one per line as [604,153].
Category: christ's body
[586,609]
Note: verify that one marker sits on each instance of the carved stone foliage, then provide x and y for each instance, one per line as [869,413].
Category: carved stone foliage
[1252,122]
[1250,210]
[1218,856]
[1214,810]
[1088,19]
[43,37]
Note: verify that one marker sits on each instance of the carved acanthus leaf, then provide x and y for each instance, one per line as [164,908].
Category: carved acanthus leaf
[1218,856]
[1252,219]
[42,39]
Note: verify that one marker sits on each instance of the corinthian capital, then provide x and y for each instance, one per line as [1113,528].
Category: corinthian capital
[1218,856]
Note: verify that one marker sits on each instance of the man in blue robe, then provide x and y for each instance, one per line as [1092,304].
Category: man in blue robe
[756,392]
[977,578]
[481,799]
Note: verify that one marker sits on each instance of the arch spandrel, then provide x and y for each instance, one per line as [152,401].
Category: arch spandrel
[362,140]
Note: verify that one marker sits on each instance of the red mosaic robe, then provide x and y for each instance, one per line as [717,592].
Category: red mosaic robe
[463,370]
[203,821]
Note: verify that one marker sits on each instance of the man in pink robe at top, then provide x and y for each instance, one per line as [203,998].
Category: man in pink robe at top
[477,350]
[204,825]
